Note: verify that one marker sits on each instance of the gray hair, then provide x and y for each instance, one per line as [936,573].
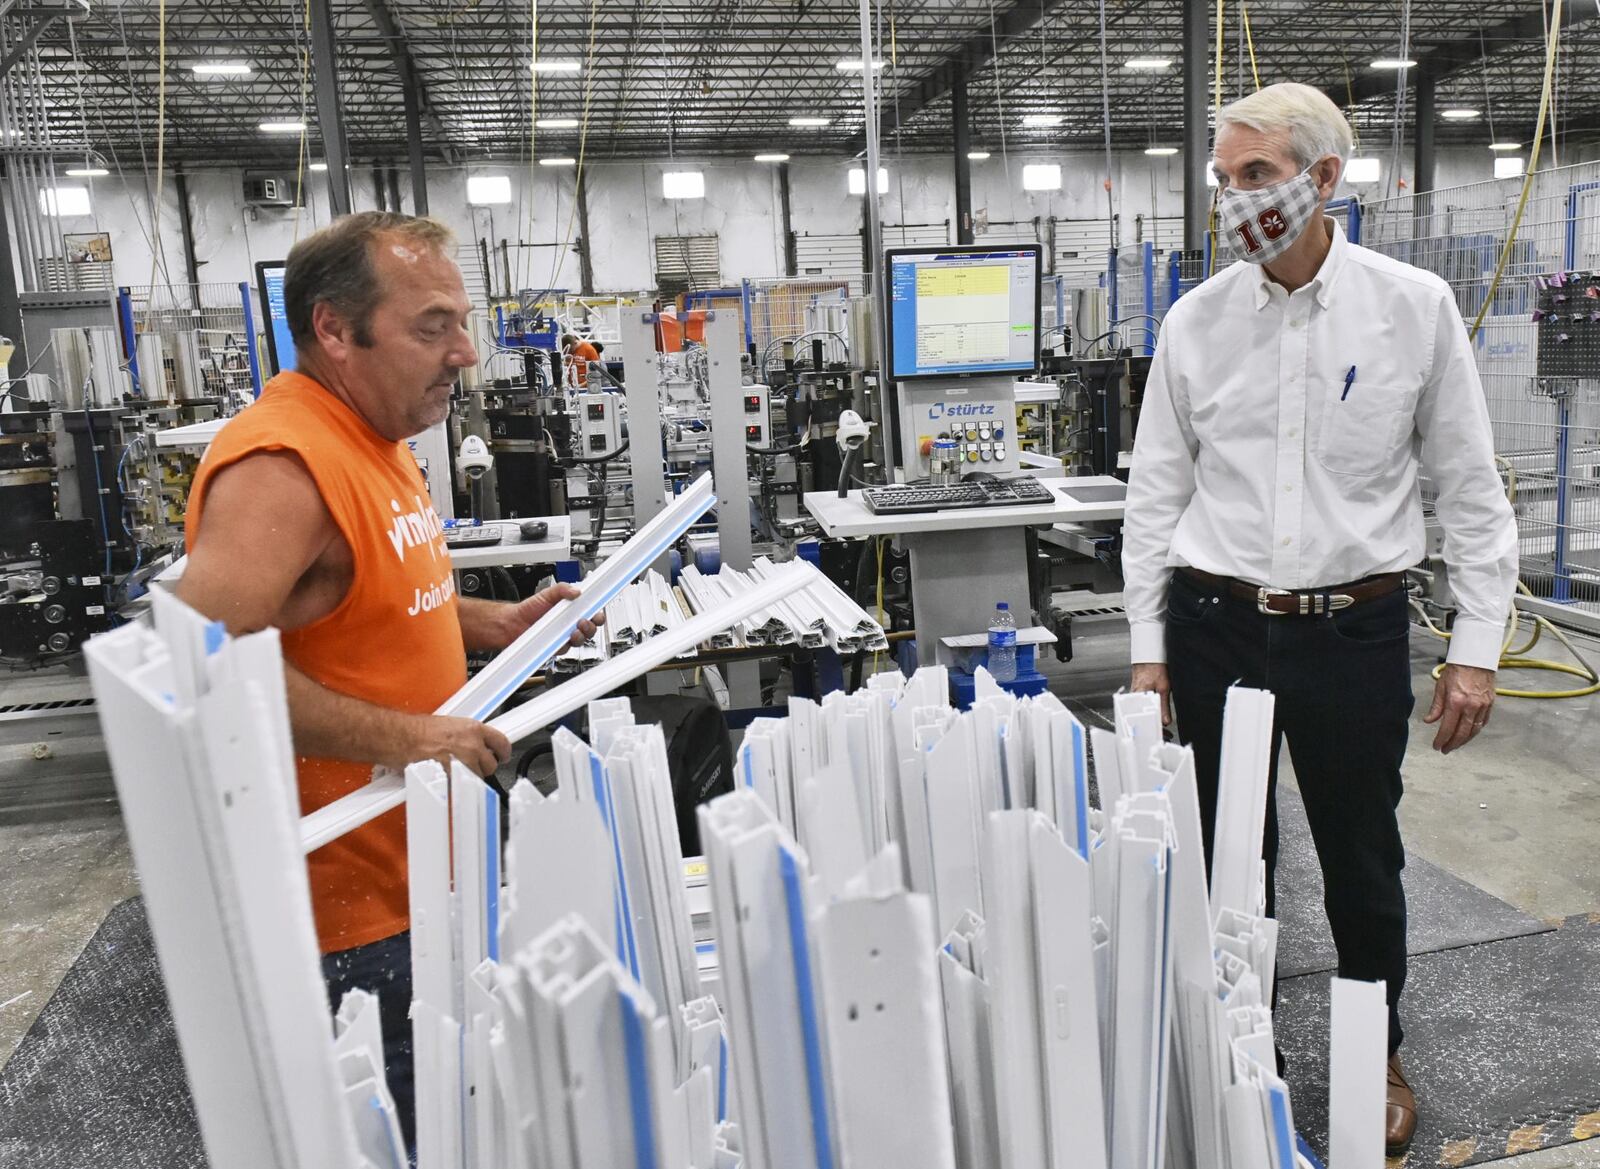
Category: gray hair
[335,266]
[1316,127]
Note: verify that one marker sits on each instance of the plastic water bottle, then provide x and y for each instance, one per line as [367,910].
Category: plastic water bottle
[1003,644]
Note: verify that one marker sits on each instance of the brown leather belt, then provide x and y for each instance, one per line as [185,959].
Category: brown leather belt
[1305,602]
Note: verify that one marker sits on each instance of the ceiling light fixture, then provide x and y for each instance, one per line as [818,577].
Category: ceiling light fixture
[772,158]
[1393,63]
[1148,64]
[810,123]
[977,155]
[1461,115]
[222,69]
[853,65]
[547,65]
[1160,151]
[1041,119]
[1510,167]
[88,172]
[556,123]
[558,162]
[319,166]
[281,127]
[1505,146]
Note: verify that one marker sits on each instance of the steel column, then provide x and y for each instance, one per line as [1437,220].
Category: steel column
[1422,177]
[961,128]
[585,245]
[869,199]
[191,263]
[413,104]
[791,265]
[10,303]
[392,174]
[380,192]
[1196,200]
[330,116]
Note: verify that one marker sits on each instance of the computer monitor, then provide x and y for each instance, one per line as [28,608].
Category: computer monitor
[963,311]
[280,342]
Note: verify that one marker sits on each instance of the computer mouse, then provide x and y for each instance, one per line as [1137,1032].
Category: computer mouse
[534,529]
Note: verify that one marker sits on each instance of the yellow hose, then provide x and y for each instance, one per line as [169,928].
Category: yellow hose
[1533,165]
[1517,659]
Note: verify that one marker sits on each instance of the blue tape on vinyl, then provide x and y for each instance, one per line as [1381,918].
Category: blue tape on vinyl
[1080,784]
[627,950]
[800,948]
[644,1133]
[491,866]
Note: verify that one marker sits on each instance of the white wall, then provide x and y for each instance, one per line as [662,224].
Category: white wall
[627,211]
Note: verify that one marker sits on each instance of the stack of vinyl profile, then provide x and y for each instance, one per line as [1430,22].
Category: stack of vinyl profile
[932,948]
[823,616]
[643,609]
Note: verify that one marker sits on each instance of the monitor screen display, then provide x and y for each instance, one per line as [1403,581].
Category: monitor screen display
[963,310]
[280,342]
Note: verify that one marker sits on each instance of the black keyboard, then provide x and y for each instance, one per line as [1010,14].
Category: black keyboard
[977,493]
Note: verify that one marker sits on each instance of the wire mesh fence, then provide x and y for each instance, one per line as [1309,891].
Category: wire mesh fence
[1131,281]
[205,342]
[800,310]
[1546,428]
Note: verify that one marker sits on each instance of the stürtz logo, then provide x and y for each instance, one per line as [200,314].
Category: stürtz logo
[960,410]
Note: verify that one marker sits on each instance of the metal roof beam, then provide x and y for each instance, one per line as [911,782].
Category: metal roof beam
[985,47]
[410,79]
[1447,57]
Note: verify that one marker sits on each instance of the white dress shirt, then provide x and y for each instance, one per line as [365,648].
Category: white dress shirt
[1253,462]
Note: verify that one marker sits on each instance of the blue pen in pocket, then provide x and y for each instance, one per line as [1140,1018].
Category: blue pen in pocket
[1349,380]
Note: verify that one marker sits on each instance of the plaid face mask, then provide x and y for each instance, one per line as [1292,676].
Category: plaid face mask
[1261,225]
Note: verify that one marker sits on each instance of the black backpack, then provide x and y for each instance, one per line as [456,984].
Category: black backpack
[699,755]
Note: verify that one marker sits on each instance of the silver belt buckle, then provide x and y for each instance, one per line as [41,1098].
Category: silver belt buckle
[1263,595]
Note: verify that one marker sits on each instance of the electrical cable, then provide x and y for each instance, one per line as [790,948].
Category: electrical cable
[877,653]
[1115,328]
[1533,166]
[1105,105]
[1250,41]
[586,460]
[583,144]
[300,165]
[1211,217]
[1517,659]
[161,133]
[99,486]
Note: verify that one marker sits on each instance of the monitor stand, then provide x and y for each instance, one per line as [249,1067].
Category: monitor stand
[959,575]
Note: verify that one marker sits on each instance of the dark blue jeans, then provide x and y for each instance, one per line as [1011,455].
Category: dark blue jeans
[383,968]
[1342,685]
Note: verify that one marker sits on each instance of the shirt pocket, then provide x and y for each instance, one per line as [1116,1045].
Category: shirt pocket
[1363,433]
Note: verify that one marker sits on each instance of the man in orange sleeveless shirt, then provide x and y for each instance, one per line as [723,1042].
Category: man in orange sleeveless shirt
[309,514]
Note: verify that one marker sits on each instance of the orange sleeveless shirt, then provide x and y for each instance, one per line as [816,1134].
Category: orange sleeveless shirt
[395,639]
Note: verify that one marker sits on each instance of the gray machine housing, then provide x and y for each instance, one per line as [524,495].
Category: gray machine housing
[979,414]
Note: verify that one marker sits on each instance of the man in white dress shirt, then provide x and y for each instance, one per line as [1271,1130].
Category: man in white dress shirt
[1273,508]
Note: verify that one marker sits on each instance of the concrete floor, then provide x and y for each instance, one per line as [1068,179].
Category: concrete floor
[1514,813]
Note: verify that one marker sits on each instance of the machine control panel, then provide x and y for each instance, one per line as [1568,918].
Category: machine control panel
[978,415]
[757,417]
[599,422]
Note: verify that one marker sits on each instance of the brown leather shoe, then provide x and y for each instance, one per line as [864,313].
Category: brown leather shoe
[1401,1120]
